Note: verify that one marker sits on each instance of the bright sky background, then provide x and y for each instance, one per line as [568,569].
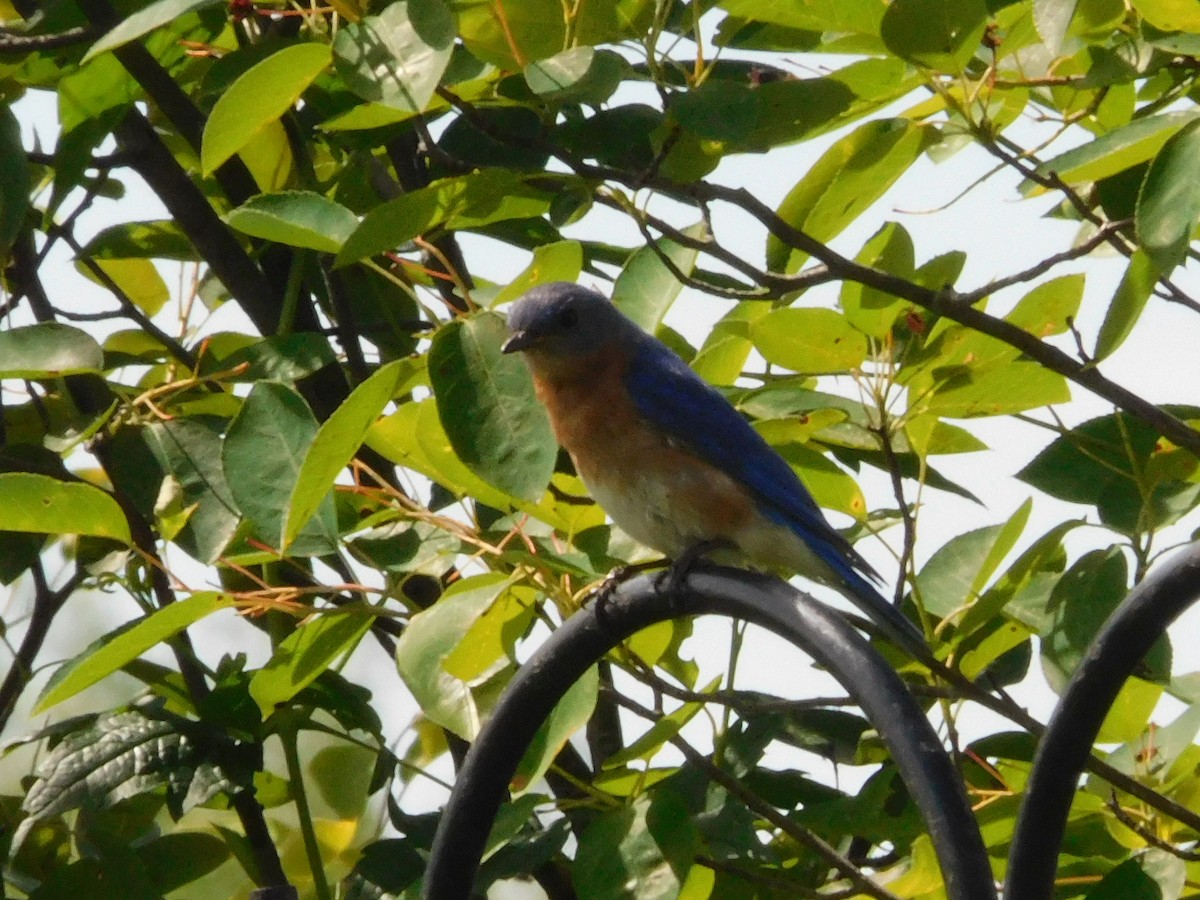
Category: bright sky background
[1000,231]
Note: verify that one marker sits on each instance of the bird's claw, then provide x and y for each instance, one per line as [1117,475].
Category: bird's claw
[671,579]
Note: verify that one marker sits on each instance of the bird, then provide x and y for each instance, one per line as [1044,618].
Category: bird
[671,460]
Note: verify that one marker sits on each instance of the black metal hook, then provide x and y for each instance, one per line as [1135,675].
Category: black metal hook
[925,767]
[1125,638]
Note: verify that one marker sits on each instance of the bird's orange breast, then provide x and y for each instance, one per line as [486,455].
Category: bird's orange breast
[653,488]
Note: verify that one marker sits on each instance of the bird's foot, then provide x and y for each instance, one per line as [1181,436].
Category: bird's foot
[614,579]
[672,578]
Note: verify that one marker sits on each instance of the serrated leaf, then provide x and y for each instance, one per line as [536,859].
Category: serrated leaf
[277,417]
[337,440]
[1168,204]
[397,57]
[257,99]
[48,350]
[486,403]
[44,505]
[297,218]
[303,655]
[128,643]
[143,22]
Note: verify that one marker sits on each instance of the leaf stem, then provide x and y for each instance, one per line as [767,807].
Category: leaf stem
[289,736]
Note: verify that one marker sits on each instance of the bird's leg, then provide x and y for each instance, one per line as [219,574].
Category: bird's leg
[672,578]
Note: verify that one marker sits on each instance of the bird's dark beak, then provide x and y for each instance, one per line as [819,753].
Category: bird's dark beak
[518,341]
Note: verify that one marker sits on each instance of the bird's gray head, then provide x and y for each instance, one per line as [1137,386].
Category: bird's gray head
[562,319]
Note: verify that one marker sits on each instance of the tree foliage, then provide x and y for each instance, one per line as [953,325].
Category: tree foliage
[313,437]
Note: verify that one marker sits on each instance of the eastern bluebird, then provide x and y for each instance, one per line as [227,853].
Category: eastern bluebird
[670,459]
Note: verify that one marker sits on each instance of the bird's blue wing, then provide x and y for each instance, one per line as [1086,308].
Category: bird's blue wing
[671,396]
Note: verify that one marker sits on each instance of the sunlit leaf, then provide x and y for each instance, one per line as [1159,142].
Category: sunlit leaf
[45,505]
[258,98]
[397,57]
[129,643]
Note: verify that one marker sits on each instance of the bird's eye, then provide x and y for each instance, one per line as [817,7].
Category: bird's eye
[568,318]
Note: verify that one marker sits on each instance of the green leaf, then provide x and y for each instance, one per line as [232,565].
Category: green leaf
[297,218]
[466,201]
[939,34]
[160,239]
[1170,15]
[640,851]
[189,452]
[137,279]
[174,861]
[15,181]
[559,73]
[487,406]
[997,391]
[144,21]
[579,75]
[869,309]
[718,110]
[281,357]
[569,715]
[118,756]
[1153,875]
[1168,204]
[431,636]
[646,286]
[276,417]
[337,440]
[956,574]
[44,505]
[1107,463]
[1137,284]
[810,341]
[557,261]
[860,16]
[128,643]
[1080,604]
[1115,151]
[723,354]
[1052,18]
[303,655]
[844,182]
[48,350]
[397,57]
[258,98]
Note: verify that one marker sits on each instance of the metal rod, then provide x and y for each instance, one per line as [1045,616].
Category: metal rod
[920,758]
[1125,638]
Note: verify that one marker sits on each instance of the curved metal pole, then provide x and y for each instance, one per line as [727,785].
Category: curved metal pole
[586,636]
[1125,638]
